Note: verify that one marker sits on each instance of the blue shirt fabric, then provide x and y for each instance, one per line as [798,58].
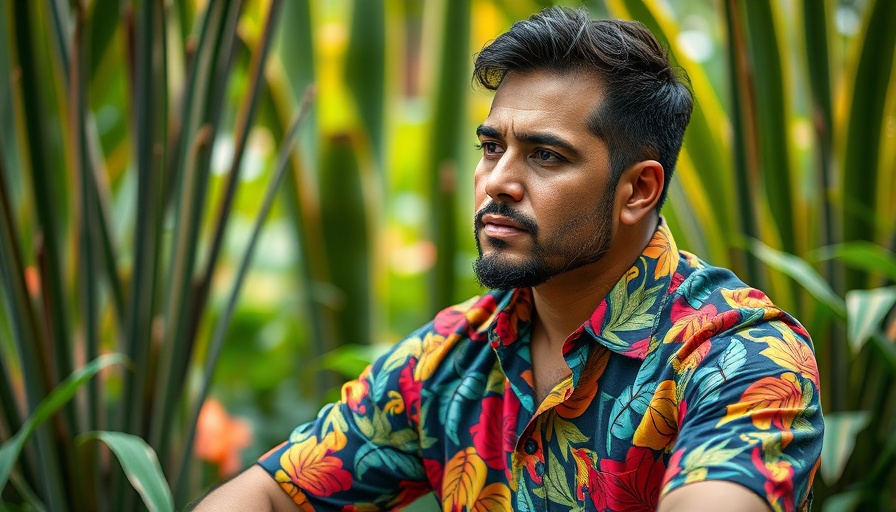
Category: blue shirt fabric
[682,374]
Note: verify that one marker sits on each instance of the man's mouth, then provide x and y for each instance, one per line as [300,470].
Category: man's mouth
[498,226]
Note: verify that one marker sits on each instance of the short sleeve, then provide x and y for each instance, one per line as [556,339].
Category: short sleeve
[750,414]
[363,450]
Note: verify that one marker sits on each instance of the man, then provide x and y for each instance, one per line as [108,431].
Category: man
[606,370]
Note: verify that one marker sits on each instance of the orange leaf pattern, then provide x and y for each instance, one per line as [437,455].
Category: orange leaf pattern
[463,480]
[681,374]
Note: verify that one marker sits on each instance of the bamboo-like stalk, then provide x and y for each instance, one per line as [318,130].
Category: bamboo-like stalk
[445,144]
[872,72]
[178,347]
[243,124]
[217,340]
[56,316]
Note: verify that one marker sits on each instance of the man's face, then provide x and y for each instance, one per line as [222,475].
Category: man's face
[544,203]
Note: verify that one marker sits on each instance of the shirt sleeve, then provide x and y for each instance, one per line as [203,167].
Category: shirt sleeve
[363,450]
[750,413]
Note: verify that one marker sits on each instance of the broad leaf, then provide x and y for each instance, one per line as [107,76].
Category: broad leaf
[10,450]
[865,310]
[140,465]
[840,431]
[862,255]
[801,272]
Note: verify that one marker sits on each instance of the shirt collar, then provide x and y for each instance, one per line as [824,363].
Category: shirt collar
[625,320]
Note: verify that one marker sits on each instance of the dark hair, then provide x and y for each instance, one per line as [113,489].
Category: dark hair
[646,106]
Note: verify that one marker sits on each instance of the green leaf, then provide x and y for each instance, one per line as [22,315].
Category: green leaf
[840,431]
[862,255]
[141,466]
[10,450]
[801,272]
[843,502]
[865,310]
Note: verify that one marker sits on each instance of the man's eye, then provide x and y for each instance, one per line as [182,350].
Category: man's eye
[544,155]
[489,148]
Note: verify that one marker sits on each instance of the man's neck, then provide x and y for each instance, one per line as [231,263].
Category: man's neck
[566,301]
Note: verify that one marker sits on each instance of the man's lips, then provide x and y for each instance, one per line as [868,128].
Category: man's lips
[500,226]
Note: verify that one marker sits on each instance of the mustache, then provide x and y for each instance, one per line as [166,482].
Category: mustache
[505,210]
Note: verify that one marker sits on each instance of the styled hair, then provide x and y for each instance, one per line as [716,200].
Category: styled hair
[646,105]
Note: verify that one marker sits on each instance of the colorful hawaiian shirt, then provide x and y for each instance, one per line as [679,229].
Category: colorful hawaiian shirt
[682,374]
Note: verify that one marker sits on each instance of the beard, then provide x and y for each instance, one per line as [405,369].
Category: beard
[583,239]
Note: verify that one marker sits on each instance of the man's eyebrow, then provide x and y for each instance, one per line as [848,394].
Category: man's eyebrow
[546,139]
[487,131]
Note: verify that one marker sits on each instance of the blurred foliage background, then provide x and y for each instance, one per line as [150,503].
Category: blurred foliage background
[139,144]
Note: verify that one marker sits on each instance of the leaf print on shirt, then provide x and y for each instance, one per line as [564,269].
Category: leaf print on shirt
[583,394]
[494,498]
[771,401]
[629,311]
[710,454]
[779,480]
[487,436]
[790,352]
[663,254]
[634,400]
[396,462]
[746,298]
[566,432]
[432,354]
[688,321]
[659,425]
[463,481]
[309,465]
[711,378]
[454,411]
[633,485]
[556,484]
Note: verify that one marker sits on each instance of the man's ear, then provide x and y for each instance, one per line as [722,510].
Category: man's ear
[639,190]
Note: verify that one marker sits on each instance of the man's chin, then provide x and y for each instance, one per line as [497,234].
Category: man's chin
[497,272]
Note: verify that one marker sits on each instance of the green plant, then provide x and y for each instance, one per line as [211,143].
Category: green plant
[79,278]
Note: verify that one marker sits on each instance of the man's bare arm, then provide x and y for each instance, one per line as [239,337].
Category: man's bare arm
[253,489]
[712,496]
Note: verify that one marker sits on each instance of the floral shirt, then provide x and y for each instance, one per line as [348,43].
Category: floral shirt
[682,374]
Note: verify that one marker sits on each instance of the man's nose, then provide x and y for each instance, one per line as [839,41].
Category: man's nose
[504,180]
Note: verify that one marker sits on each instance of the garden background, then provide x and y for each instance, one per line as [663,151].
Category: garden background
[183,221]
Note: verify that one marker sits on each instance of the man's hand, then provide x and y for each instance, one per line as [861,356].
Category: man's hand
[712,496]
[253,489]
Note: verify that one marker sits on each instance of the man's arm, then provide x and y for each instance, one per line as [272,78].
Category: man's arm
[253,489]
[712,496]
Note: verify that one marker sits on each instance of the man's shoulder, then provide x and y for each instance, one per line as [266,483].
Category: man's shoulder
[703,295]
[471,317]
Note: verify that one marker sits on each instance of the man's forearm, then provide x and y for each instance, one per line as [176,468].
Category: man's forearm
[252,489]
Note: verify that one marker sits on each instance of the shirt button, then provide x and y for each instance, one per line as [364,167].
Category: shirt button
[530,447]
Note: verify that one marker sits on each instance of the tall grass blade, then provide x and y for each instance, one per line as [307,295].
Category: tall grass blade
[178,347]
[365,72]
[243,126]
[217,340]
[873,75]
[149,131]
[446,140]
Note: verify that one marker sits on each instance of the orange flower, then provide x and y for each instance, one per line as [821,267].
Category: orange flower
[220,438]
